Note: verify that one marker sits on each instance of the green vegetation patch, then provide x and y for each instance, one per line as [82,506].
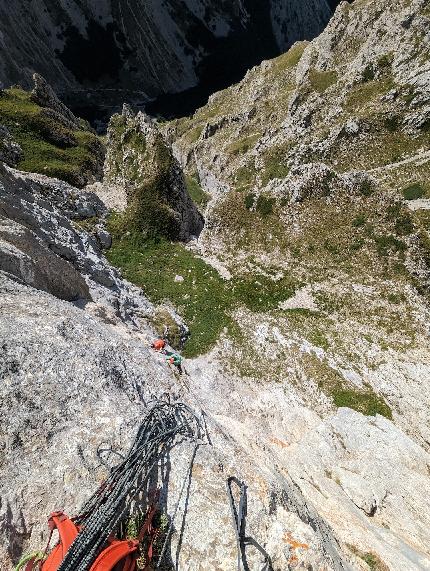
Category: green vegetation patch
[366,402]
[291,58]
[244,177]
[149,171]
[250,200]
[374,562]
[264,205]
[321,80]
[275,162]
[49,147]
[242,146]
[196,192]
[332,384]
[202,298]
[414,191]
[362,95]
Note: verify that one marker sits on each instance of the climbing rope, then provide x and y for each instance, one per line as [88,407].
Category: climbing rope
[102,513]
[239,522]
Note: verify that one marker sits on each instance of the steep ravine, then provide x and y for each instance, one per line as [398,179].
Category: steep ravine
[99,54]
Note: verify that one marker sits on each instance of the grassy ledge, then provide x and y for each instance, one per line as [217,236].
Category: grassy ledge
[49,147]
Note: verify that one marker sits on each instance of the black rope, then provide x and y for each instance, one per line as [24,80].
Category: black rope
[239,521]
[103,512]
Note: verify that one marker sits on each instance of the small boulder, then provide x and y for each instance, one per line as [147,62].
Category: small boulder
[104,238]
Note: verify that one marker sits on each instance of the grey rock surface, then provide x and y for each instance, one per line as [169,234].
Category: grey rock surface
[10,151]
[44,246]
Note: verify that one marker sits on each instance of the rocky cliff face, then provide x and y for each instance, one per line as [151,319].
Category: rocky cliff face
[306,295]
[133,52]
[148,180]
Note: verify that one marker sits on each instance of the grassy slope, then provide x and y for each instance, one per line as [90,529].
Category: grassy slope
[341,240]
[203,298]
[38,136]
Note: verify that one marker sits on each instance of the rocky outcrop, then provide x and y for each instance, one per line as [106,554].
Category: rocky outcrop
[82,382]
[140,165]
[45,96]
[43,244]
[10,152]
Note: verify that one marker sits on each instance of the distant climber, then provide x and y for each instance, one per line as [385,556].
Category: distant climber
[159,344]
[174,359]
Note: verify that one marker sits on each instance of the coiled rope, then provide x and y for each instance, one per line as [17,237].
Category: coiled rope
[102,513]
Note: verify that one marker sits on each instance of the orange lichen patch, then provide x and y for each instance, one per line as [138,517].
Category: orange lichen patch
[288,538]
[279,442]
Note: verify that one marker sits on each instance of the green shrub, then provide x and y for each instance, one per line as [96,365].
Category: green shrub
[392,123]
[149,211]
[387,244]
[404,225]
[359,220]
[413,191]
[264,205]
[385,61]
[366,188]
[250,200]
[368,73]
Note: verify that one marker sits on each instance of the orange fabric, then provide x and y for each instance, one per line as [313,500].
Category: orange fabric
[110,556]
[68,532]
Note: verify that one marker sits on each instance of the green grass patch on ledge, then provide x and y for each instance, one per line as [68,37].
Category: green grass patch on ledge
[366,402]
[196,192]
[321,80]
[203,298]
[40,137]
